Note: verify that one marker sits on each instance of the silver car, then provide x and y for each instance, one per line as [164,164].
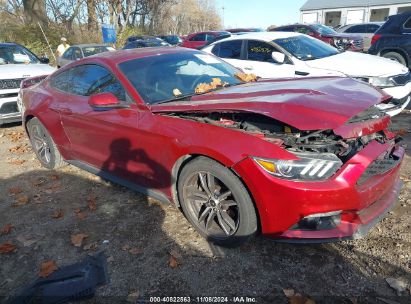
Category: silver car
[366,30]
[79,51]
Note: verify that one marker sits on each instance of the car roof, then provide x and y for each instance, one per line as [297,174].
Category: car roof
[88,45]
[8,43]
[129,54]
[266,36]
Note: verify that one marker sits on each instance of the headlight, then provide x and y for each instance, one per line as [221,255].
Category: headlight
[383,82]
[309,166]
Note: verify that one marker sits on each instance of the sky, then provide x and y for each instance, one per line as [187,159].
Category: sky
[259,13]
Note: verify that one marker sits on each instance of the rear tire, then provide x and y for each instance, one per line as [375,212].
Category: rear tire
[43,145]
[216,203]
[395,57]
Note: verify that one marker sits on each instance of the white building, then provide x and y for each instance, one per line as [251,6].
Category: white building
[338,12]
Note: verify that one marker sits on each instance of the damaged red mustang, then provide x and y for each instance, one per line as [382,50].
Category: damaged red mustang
[307,160]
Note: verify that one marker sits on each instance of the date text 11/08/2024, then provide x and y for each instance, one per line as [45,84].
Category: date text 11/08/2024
[187,299]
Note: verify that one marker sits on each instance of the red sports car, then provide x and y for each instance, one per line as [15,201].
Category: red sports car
[198,40]
[297,159]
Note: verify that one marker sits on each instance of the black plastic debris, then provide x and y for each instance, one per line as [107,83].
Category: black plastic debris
[70,283]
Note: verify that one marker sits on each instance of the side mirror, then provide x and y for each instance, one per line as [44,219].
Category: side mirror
[278,57]
[44,60]
[105,101]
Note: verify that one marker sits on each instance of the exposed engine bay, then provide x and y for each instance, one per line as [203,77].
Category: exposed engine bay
[292,139]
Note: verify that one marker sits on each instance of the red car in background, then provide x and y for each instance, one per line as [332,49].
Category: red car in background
[324,33]
[306,159]
[197,40]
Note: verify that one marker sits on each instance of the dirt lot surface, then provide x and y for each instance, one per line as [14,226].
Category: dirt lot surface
[153,251]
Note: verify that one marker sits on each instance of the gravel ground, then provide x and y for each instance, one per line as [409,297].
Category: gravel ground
[153,251]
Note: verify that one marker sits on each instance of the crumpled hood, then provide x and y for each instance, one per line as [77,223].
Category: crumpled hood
[318,103]
[13,71]
[359,65]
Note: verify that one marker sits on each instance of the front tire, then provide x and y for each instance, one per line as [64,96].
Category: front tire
[216,203]
[43,145]
[394,56]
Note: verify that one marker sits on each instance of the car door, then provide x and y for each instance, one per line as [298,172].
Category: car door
[100,138]
[66,58]
[77,54]
[260,62]
[230,51]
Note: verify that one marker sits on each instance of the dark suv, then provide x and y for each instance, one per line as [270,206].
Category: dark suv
[393,39]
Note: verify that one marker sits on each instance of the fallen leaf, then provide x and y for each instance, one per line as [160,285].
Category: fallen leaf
[47,268]
[20,149]
[15,190]
[91,202]
[77,210]
[39,181]
[58,214]
[172,262]
[54,177]
[17,162]
[125,247]
[246,77]
[300,299]
[22,200]
[77,239]
[110,259]
[288,292]
[6,229]
[81,215]
[91,246]
[7,247]
[135,250]
[15,136]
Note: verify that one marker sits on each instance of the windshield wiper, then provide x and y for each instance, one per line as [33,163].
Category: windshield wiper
[182,97]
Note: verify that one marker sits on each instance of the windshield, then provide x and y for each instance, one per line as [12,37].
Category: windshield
[145,43]
[306,48]
[323,30]
[92,50]
[14,54]
[168,77]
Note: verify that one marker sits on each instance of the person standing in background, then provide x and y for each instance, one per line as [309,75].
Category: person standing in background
[62,47]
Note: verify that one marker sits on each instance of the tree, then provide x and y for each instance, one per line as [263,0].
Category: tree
[91,14]
[35,11]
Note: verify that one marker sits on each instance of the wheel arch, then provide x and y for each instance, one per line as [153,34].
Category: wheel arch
[396,50]
[184,160]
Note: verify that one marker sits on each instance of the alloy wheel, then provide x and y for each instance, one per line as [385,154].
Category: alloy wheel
[40,144]
[211,204]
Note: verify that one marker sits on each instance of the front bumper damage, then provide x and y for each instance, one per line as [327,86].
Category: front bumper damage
[361,197]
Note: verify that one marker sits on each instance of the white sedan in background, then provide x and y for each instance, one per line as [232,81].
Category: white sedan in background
[283,54]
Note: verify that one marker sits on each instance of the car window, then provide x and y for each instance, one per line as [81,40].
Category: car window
[68,54]
[360,28]
[407,24]
[77,53]
[167,77]
[259,51]
[17,54]
[285,29]
[210,37]
[230,49]
[92,50]
[303,30]
[86,80]
[60,81]
[198,37]
[372,28]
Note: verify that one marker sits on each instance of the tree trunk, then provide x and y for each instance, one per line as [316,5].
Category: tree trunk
[35,11]
[91,15]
